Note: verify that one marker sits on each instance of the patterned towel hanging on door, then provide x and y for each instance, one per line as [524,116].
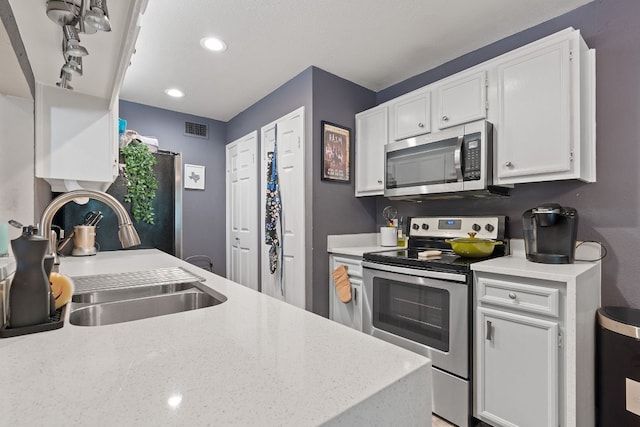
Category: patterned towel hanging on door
[273,208]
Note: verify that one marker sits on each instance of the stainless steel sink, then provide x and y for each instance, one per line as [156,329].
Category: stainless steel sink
[119,294]
[108,313]
[106,299]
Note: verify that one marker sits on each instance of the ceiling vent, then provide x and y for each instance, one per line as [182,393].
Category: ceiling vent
[196,129]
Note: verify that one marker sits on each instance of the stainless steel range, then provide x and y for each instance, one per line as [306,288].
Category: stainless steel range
[420,300]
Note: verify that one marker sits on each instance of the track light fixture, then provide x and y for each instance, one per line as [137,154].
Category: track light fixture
[65,78]
[76,16]
[98,17]
[71,44]
[73,65]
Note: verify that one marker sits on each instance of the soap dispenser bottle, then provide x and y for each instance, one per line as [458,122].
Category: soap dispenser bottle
[29,293]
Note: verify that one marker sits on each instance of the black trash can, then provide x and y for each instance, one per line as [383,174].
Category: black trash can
[618,367]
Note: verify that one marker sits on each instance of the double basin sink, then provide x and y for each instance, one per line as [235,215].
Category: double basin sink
[124,297]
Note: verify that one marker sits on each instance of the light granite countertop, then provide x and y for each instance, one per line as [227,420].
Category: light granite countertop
[356,244]
[252,360]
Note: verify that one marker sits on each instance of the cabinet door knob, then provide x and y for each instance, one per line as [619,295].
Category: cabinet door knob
[489,330]
[379,181]
[420,125]
[508,164]
[445,118]
[512,295]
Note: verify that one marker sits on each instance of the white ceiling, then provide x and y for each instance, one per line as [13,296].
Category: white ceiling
[375,43]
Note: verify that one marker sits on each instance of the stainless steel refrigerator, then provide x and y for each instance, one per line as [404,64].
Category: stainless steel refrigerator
[166,232]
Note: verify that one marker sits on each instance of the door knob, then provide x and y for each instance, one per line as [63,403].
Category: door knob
[445,118]
[508,164]
[420,125]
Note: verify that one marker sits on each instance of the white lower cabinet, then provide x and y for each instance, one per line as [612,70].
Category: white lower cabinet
[534,343]
[350,313]
[517,380]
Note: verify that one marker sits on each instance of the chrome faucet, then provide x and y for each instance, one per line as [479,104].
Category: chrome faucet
[126,232]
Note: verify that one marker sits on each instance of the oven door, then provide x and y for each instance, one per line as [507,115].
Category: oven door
[422,311]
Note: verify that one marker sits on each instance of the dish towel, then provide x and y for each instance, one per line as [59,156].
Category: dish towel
[342,282]
[273,215]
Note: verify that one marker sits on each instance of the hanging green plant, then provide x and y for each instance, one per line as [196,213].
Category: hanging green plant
[140,179]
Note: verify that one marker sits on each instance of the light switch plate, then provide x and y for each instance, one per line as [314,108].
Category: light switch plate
[632,396]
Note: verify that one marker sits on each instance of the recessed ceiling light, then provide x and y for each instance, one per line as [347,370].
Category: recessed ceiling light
[213,44]
[176,93]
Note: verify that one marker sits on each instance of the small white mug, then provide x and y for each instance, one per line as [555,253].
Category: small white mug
[388,236]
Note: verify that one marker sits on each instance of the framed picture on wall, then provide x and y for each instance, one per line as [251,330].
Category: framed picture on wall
[336,142]
[194,177]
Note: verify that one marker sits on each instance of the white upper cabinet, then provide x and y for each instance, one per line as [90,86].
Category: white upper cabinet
[76,139]
[540,99]
[546,115]
[76,132]
[371,137]
[411,115]
[462,99]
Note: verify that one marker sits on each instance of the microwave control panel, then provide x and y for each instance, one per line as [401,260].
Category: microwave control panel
[472,157]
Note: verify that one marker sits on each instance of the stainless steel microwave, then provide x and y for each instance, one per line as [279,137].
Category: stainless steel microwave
[455,162]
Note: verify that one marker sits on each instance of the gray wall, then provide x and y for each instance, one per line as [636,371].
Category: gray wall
[335,208]
[609,209]
[292,95]
[203,210]
[331,207]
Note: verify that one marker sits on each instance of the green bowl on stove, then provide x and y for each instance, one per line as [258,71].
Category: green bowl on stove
[472,247]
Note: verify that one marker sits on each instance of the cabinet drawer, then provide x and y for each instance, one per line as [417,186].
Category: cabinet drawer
[354,266]
[519,296]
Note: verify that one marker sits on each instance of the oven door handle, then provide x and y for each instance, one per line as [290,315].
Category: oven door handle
[455,277]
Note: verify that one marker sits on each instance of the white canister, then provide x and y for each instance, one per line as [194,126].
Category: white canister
[388,236]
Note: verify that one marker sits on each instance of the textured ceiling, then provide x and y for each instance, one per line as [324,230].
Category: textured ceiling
[375,43]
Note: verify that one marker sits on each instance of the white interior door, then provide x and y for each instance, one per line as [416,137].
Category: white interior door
[242,210]
[288,281]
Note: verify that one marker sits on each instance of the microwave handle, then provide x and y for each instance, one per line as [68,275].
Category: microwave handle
[457,158]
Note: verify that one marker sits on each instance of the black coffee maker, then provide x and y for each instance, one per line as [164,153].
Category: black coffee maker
[550,233]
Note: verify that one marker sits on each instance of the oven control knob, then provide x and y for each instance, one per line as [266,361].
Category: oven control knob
[425,226]
[415,226]
[476,227]
[489,228]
